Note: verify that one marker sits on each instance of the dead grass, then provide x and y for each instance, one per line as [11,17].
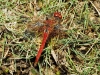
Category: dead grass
[77,53]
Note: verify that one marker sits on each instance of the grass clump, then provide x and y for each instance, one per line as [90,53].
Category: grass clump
[75,49]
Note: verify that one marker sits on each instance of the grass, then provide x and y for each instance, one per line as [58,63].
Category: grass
[77,53]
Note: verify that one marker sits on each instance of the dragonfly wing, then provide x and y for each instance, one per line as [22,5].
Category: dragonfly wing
[33,28]
[58,31]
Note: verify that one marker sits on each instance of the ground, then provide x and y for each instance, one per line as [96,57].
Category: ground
[74,49]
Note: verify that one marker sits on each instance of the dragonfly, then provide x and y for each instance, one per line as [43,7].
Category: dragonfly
[47,26]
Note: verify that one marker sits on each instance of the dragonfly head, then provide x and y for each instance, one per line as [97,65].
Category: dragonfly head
[58,15]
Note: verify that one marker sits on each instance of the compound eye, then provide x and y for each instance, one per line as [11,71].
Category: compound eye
[58,14]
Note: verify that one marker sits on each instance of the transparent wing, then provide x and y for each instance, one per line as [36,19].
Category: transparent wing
[58,31]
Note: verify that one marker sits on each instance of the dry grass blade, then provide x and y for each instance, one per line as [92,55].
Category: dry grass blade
[96,7]
[73,47]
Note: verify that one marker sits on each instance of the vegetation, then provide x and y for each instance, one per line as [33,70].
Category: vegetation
[76,52]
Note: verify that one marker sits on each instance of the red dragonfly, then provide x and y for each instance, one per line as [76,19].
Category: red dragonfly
[48,26]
